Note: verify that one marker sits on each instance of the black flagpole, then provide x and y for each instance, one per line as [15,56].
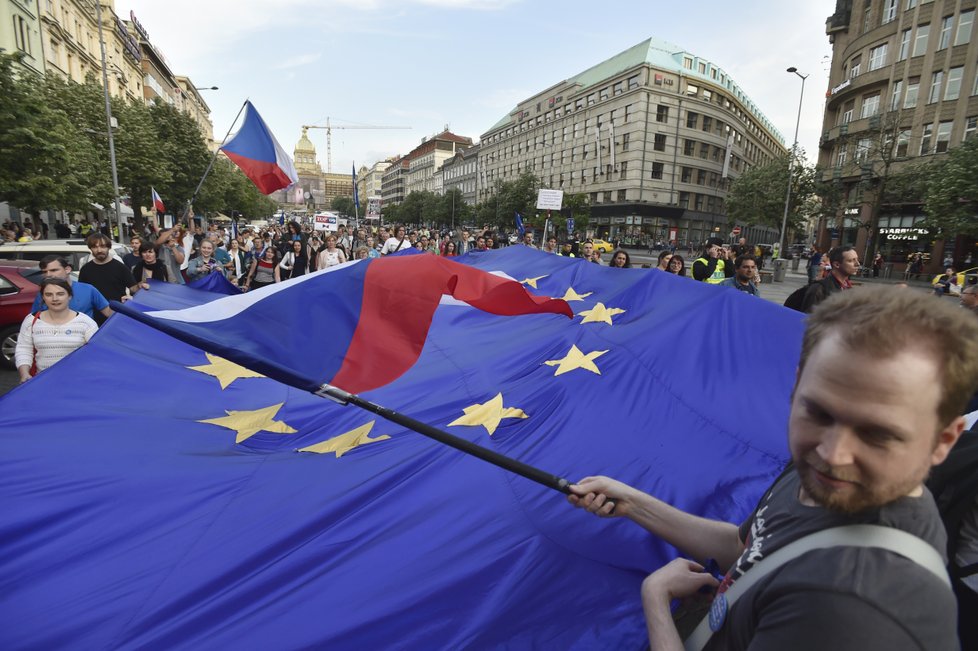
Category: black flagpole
[217,150]
[468,447]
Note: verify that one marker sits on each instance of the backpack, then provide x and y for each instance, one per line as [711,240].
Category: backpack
[796,300]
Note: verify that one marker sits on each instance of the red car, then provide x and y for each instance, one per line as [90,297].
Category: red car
[18,286]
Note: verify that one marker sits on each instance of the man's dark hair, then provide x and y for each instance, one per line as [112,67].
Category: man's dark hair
[54,257]
[741,259]
[835,255]
[147,246]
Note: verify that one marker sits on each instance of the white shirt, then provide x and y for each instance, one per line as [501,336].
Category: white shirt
[188,247]
[391,245]
[52,342]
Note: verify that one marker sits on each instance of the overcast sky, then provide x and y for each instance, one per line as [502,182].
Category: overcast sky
[425,64]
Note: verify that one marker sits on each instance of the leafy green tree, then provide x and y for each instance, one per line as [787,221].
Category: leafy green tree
[46,163]
[181,147]
[344,206]
[951,194]
[756,198]
[139,168]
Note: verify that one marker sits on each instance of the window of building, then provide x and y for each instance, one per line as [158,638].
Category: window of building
[698,202]
[974,91]
[621,195]
[707,123]
[687,63]
[22,36]
[920,43]
[840,158]
[660,142]
[943,137]
[625,137]
[689,147]
[707,95]
[704,150]
[633,82]
[945,37]
[604,93]
[684,200]
[953,88]
[592,98]
[870,106]
[607,197]
[902,143]
[925,139]
[692,90]
[913,87]
[717,153]
[854,66]
[965,23]
[877,57]
[657,170]
[896,95]
[970,126]
[691,119]
[847,111]
[623,170]
[911,4]
[700,177]
[867,17]
[701,67]
[936,80]
[862,150]
[904,45]
[579,104]
[687,175]
[618,88]
[661,113]
[889,11]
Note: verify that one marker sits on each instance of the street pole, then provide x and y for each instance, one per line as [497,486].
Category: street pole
[791,160]
[108,122]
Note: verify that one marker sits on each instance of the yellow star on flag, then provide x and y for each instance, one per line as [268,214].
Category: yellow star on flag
[488,414]
[571,295]
[343,443]
[226,372]
[575,359]
[532,282]
[249,423]
[600,314]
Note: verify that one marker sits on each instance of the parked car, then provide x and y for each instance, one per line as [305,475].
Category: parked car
[19,281]
[74,250]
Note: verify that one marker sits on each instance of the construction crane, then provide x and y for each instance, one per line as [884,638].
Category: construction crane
[329,136]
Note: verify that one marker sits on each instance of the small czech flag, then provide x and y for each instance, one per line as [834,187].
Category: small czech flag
[157,202]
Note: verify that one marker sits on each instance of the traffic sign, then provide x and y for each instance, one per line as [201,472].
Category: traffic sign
[736,230]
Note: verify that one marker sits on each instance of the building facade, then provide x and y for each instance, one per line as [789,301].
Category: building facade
[903,88]
[427,158]
[190,101]
[653,136]
[460,172]
[20,31]
[392,187]
[70,42]
[370,180]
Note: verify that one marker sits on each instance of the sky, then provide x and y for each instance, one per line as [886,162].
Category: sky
[425,64]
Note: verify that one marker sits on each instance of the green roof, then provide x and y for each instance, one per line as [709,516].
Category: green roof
[662,55]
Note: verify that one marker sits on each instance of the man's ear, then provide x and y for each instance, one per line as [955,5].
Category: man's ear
[946,439]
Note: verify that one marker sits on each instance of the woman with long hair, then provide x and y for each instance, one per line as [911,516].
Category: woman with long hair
[620,260]
[664,258]
[294,263]
[49,335]
[450,251]
[264,270]
[331,255]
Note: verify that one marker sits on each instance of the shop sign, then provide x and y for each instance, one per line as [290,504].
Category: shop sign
[617,220]
[139,28]
[904,233]
[841,86]
[649,221]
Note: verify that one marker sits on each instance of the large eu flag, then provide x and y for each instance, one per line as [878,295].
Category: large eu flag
[157,497]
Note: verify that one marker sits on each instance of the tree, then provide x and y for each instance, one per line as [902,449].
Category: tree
[509,198]
[181,146]
[46,163]
[140,169]
[578,207]
[344,206]
[757,197]
[951,195]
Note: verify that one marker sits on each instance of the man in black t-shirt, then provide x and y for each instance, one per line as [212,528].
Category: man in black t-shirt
[110,277]
[883,378]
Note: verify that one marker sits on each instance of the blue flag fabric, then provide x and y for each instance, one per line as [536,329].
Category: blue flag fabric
[174,507]
[519,225]
[356,195]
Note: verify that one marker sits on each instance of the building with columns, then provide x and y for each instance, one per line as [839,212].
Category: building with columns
[903,89]
[427,158]
[653,136]
[70,42]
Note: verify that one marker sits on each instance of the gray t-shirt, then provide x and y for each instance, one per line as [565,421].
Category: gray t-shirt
[841,599]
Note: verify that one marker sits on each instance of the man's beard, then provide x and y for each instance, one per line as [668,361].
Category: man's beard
[856,496]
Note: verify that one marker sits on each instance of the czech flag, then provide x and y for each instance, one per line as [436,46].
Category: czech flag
[158,202]
[361,331]
[256,151]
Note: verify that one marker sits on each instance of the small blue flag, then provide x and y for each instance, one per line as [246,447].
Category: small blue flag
[519,225]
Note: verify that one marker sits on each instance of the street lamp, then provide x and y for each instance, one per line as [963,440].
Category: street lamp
[206,88]
[109,122]
[794,147]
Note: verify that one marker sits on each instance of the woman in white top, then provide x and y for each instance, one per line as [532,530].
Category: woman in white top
[330,256]
[50,335]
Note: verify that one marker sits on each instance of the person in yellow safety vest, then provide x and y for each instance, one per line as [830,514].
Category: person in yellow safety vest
[85,228]
[714,266]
